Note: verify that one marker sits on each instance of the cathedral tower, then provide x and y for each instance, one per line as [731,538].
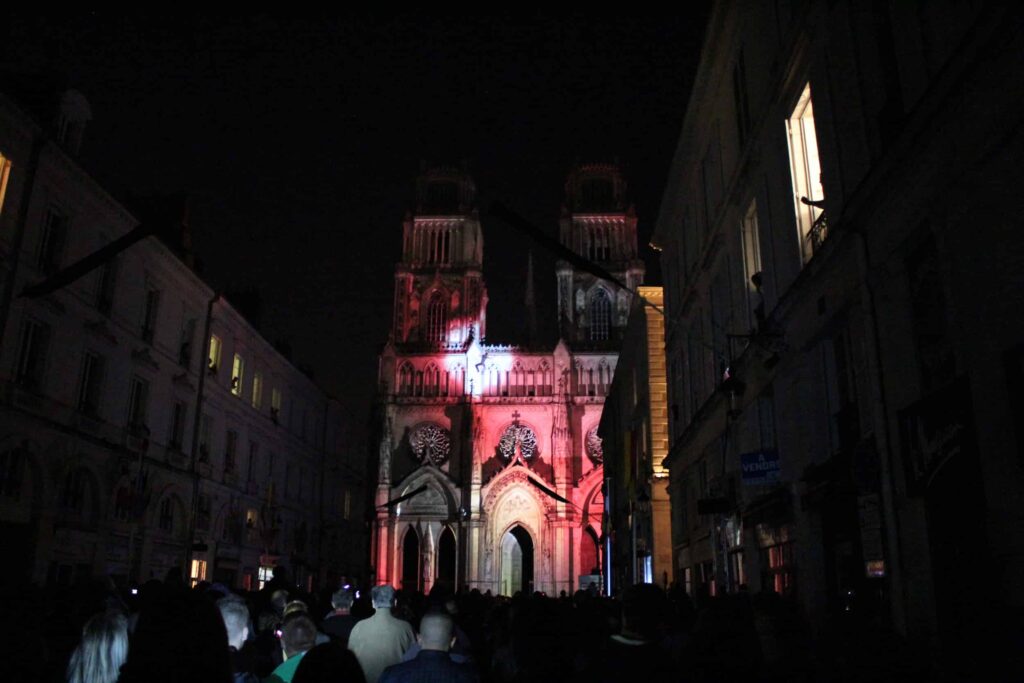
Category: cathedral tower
[599,224]
[440,298]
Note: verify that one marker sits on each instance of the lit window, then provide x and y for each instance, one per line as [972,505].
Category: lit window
[89,387]
[5,173]
[213,361]
[265,575]
[257,390]
[149,313]
[51,245]
[35,339]
[806,173]
[198,571]
[237,375]
[600,315]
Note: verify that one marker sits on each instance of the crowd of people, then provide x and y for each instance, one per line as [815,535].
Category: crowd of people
[280,634]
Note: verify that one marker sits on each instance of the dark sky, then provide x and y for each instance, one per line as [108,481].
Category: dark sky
[298,141]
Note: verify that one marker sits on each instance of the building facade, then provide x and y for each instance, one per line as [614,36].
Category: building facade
[145,425]
[843,286]
[634,432]
[490,469]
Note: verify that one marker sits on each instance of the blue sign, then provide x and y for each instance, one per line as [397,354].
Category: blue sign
[760,467]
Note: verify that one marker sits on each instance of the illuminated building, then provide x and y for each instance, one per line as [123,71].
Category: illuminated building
[634,431]
[843,284]
[99,382]
[490,468]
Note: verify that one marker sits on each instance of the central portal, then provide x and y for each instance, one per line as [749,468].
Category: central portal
[516,561]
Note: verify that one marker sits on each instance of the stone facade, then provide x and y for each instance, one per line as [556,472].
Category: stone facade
[843,286]
[101,470]
[490,470]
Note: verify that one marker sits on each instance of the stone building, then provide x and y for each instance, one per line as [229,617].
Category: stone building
[634,432]
[843,282]
[105,469]
[490,466]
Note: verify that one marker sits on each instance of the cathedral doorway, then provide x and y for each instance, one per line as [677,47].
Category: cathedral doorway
[411,561]
[516,561]
[446,560]
[590,558]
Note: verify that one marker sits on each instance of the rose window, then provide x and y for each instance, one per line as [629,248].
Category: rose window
[594,448]
[518,437]
[431,444]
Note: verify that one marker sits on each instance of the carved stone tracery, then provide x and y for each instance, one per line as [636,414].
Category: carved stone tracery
[595,449]
[431,444]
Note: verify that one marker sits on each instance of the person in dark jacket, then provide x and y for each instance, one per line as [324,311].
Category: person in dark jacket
[338,624]
[432,664]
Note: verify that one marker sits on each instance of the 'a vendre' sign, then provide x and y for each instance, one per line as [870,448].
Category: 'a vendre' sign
[760,467]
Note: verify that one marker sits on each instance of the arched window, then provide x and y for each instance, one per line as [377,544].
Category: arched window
[600,316]
[437,318]
[431,381]
[405,375]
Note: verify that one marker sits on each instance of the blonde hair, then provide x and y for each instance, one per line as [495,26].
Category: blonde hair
[102,651]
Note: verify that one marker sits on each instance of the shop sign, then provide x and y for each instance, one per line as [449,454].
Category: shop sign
[760,467]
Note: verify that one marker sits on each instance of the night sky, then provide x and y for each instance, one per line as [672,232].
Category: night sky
[298,142]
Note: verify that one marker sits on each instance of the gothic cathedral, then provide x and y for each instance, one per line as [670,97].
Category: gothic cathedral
[490,470]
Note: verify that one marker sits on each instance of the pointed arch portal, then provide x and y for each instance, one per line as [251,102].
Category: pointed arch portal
[411,561]
[446,560]
[516,561]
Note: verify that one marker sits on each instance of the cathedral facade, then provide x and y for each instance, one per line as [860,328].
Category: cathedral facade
[490,469]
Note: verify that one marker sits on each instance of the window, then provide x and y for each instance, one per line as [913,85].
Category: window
[600,315]
[405,377]
[90,384]
[230,451]
[346,509]
[266,573]
[275,405]
[198,571]
[805,168]
[149,313]
[178,417]
[72,492]
[51,246]
[257,390]
[166,521]
[213,360]
[12,472]
[752,268]
[251,472]
[105,286]
[138,399]
[288,480]
[205,438]
[739,93]
[35,339]
[188,333]
[270,468]
[237,375]
[437,318]
[5,173]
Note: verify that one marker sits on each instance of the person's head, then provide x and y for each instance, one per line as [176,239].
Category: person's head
[178,637]
[235,614]
[102,651]
[295,606]
[298,634]
[342,600]
[436,629]
[643,611]
[382,597]
[278,601]
[328,662]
